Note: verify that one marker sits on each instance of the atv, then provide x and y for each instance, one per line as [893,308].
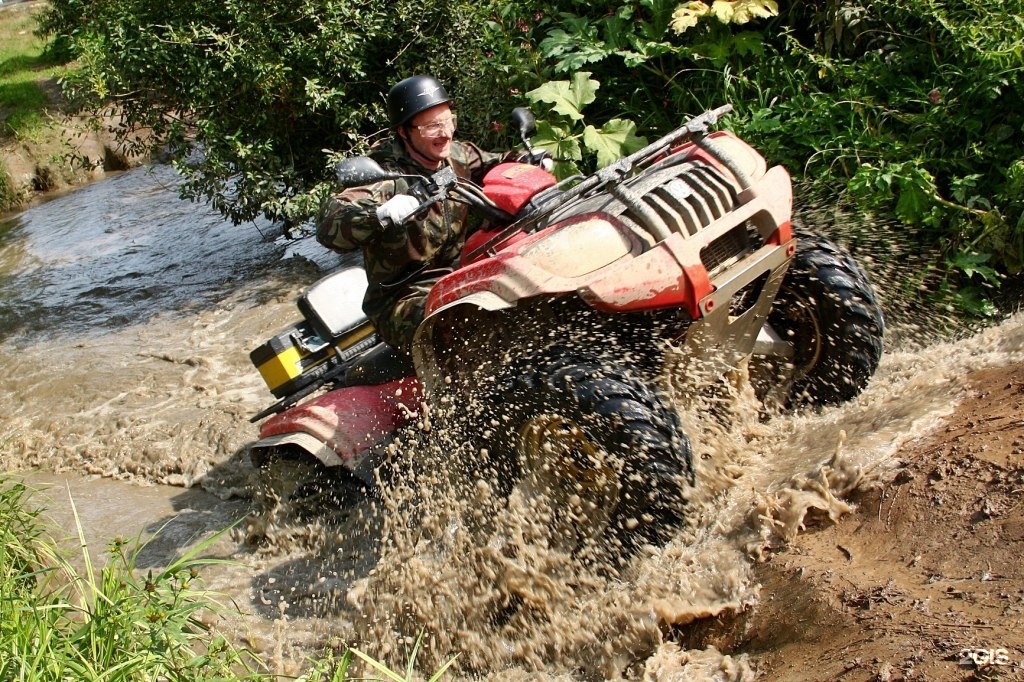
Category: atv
[558,319]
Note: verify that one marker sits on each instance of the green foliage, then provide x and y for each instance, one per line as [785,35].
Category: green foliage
[246,96]
[59,623]
[925,126]
[616,138]
[911,107]
[22,549]
[23,61]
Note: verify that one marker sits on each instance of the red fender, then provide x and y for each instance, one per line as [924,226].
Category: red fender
[349,420]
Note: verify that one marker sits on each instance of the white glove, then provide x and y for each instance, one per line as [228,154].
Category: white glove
[397,209]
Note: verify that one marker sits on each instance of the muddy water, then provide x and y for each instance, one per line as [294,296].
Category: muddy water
[127,317]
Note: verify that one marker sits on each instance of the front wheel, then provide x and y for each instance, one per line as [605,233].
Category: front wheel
[827,312]
[600,456]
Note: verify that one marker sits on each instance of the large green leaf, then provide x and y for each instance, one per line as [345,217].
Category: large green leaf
[558,141]
[574,50]
[916,194]
[615,139]
[568,97]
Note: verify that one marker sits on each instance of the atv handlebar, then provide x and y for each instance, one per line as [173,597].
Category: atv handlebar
[696,126]
[362,170]
[445,183]
[358,171]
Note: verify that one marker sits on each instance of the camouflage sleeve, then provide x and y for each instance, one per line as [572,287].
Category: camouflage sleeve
[348,220]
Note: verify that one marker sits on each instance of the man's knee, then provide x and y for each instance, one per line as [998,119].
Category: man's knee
[401,325]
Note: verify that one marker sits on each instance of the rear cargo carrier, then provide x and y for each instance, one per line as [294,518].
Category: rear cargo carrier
[334,330]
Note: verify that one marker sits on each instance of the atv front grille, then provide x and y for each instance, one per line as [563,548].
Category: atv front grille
[682,197]
[726,248]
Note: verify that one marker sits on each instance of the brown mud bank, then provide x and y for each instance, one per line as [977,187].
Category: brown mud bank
[68,153]
[923,580]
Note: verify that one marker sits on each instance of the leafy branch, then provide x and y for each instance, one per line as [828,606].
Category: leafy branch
[567,137]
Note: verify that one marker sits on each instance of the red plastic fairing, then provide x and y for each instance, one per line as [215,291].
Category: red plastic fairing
[513,277]
[781,235]
[691,150]
[669,275]
[351,419]
[511,185]
[481,237]
[694,152]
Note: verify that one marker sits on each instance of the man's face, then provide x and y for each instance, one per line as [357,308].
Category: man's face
[429,135]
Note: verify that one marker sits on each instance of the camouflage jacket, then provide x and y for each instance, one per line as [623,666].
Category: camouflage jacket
[394,257]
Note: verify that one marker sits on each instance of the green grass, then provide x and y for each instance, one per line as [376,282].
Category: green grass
[117,624]
[23,64]
[112,622]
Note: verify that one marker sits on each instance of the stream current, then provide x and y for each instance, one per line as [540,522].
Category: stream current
[126,319]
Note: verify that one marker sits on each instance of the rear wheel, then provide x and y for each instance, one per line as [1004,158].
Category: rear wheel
[596,453]
[827,310]
[292,485]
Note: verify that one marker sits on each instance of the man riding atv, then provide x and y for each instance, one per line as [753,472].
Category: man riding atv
[675,266]
[405,254]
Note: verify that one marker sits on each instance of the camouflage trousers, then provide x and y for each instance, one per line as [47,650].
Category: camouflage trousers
[396,320]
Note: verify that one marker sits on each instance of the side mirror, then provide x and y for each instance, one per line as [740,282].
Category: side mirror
[359,171]
[523,120]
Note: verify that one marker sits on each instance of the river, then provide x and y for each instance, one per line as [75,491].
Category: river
[126,318]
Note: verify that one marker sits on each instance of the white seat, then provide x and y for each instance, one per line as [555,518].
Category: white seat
[334,305]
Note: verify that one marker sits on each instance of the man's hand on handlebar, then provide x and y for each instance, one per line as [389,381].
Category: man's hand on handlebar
[397,209]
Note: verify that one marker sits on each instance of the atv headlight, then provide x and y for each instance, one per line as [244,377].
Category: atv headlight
[579,246]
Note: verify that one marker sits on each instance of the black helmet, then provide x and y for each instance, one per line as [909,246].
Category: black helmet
[412,95]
